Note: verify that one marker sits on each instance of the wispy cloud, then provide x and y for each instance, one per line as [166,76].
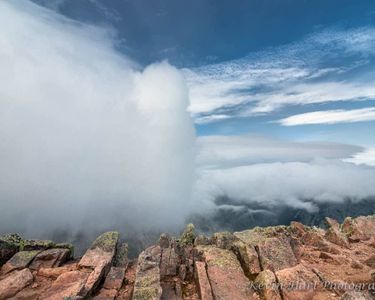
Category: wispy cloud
[366,157]
[321,68]
[233,151]
[331,117]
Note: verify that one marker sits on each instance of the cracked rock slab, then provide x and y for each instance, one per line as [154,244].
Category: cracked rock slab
[15,282]
[225,274]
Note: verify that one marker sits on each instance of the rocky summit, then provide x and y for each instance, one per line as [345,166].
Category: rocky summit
[269,263]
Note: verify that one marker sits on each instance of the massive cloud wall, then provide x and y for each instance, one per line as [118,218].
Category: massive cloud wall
[87,138]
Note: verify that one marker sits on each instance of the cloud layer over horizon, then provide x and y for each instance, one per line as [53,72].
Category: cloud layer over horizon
[252,169]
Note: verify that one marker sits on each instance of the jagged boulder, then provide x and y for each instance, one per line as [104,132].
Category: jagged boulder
[19,261]
[332,223]
[273,246]
[298,282]
[147,284]
[164,240]
[248,258]
[224,240]
[314,237]
[335,236]
[202,240]
[188,236]
[50,258]
[99,258]
[297,228]
[225,274]
[67,286]
[169,262]
[102,250]
[9,245]
[267,286]
[115,278]
[359,229]
[121,257]
[15,282]
[203,284]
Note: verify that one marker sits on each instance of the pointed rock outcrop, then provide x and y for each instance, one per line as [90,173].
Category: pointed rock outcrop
[169,262]
[273,246]
[98,258]
[147,283]
[359,229]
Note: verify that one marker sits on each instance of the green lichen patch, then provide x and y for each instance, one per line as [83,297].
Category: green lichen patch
[121,257]
[224,240]
[28,245]
[106,241]
[259,234]
[188,236]
[12,238]
[147,280]
[23,258]
[146,293]
[219,257]
[66,246]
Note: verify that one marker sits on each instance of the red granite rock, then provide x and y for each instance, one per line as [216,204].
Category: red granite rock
[203,284]
[15,282]
[225,274]
[50,258]
[68,284]
[115,278]
[19,261]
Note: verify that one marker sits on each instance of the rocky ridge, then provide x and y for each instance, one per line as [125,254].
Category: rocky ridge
[270,263]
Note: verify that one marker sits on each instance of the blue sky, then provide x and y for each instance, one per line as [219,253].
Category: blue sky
[251,64]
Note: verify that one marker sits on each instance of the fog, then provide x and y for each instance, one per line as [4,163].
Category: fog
[89,140]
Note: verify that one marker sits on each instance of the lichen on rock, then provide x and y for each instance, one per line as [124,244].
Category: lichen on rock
[188,236]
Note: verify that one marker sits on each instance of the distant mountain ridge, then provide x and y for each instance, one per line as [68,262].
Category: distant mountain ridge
[238,215]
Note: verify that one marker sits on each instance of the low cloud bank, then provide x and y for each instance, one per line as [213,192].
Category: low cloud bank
[87,140]
[269,172]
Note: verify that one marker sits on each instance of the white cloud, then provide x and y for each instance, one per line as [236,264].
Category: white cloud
[266,171]
[317,69]
[296,184]
[231,151]
[366,157]
[87,140]
[330,117]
